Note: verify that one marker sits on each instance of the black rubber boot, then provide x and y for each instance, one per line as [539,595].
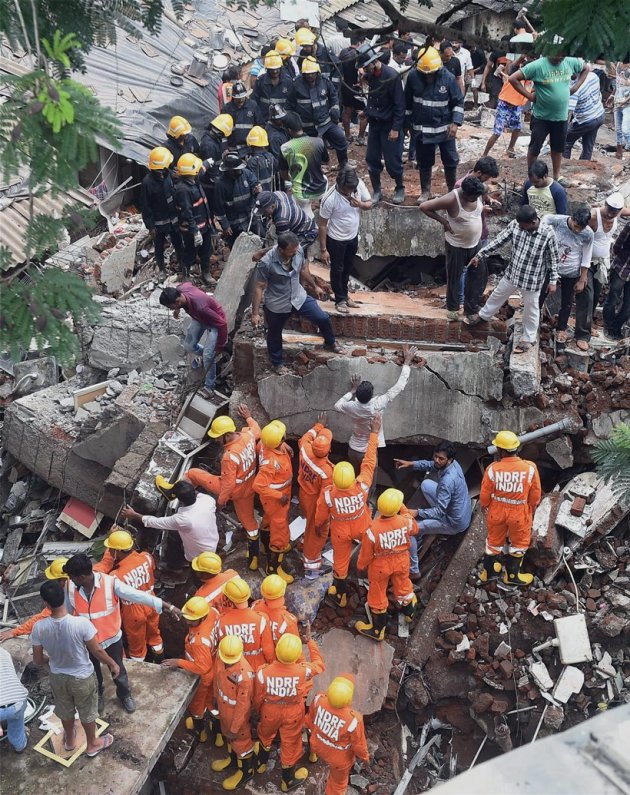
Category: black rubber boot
[265,541]
[399,193]
[160,264]
[272,562]
[512,574]
[244,773]
[253,553]
[198,727]
[262,757]
[425,183]
[375,179]
[375,630]
[450,175]
[229,762]
[214,730]
[409,610]
[205,275]
[156,657]
[292,778]
[491,568]
[337,593]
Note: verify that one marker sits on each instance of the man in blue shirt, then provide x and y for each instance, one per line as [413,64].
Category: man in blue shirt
[450,509]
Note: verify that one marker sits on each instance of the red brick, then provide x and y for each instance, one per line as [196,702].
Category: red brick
[359,352]
[577,508]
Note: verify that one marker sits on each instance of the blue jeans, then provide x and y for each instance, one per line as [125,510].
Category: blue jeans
[276,321]
[622,126]
[430,527]
[195,332]
[380,148]
[14,717]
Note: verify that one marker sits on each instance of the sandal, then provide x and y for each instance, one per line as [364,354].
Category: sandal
[353,304]
[107,739]
[522,347]
[582,345]
[342,308]
[561,336]
[511,153]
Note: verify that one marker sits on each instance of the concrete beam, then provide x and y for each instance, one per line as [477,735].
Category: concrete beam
[422,641]
[524,367]
[399,232]
[234,288]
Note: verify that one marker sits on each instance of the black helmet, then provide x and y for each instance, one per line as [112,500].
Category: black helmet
[231,162]
[366,54]
[239,90]
[277,112]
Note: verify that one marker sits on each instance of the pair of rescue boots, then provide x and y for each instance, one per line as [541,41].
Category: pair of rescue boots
[206,728]
[376,629]
[292,776]
[241,769]
[492,567]
[274,558]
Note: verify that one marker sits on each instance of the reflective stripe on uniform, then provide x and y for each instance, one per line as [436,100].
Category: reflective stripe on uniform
[313,466]
[327,742]
[279,485]
[430,103]
[434,130]
[509,501]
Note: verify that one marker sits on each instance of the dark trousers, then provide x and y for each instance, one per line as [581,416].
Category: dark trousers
[276,321]
[191,252]
[161,234]
[425,153]
[585,303]
[342,254]
[115,651]
[474,287]
[588,133]
[566,285]
[335,138]
[356,459]
[380,148]
[456,260]
[617,306]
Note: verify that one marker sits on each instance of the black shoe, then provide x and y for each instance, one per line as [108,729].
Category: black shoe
[129,705]
[399,195]
[377,197]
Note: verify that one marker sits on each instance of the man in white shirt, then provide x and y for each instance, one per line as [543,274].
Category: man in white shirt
[361,406]
[464,57]
[195,519]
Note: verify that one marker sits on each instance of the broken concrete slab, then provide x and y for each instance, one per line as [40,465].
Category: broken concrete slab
[234,288]
[547,539]
[34,374]
[117,268]
[603,510]
[570,681]
[386,232]
[370,662]
[171,349]
[524,367]
[561,450]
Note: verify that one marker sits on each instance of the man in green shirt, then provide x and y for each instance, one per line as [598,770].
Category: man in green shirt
[551,76]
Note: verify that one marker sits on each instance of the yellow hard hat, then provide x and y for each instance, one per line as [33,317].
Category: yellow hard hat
[273,60]
[340,692]
[304,37]
[288,648]
[506,440]
[389,502]
[237,590]
[223,122]
[343,475]
[310,66]
[195,608]
[220,426]
[178,126]
[55,570]
[273,587]
[209,562]
[164,487]
[429,60]
[160,158]
[120,540]
[257,136]
[285,47]
[230,649]
[272,434]
[189,165]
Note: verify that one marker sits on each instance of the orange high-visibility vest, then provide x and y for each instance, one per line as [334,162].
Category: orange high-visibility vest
[102,609]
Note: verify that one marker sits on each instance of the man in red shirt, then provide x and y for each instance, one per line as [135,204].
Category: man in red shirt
[207,316]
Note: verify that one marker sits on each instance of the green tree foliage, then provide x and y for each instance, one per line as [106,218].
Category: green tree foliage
[612,457]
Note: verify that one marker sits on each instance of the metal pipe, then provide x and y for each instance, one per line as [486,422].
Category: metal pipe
[568,423]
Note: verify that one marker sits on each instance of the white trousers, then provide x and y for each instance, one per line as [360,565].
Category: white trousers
[531,311]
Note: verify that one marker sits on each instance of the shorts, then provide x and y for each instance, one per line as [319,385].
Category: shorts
[508,117]
[71,693]
[476,81]
[350,100]
[541,128]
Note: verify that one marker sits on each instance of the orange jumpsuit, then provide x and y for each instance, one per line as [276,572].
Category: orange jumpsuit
[27,626]
[212,589]
[338,737]
[281,621]
[385,554]
[238,467]
[279,695]
[199,660]
[234,695]
[510,490]
[273,481]
[313,474]
[348,511]
[253,630]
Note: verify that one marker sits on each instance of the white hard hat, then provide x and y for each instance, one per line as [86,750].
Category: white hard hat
[615,201]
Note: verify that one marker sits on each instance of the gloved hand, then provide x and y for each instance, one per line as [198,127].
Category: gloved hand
[198,239]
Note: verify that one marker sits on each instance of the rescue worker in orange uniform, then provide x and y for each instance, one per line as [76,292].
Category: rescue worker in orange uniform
[251,627]
[52,572]
[236,481]
[385,555]
[337,733]
[345,505]
[272,605]
[208,568]
[510,492]
[273,486]
[201,619]
[141,624]
[314,472]
[234,696]
[279,696]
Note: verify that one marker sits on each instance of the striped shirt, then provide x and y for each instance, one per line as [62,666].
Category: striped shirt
[534,254]
[586,104]
[290,217]
[12,691]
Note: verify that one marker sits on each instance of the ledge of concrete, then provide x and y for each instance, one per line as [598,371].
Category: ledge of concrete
[399,232]
[161,696]
[524,367]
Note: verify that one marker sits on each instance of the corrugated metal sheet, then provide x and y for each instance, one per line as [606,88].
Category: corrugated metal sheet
[14,218]
[352,10]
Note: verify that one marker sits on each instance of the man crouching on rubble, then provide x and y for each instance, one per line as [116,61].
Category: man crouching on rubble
[510,493]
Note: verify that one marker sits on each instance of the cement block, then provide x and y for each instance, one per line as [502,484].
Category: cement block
[117,268]
[387,232]
[547,539]
[34,374]
[524,367]
[561,450]
[344,651]
[234,288]
[171,348]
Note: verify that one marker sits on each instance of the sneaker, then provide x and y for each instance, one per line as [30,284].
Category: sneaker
[129,705]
